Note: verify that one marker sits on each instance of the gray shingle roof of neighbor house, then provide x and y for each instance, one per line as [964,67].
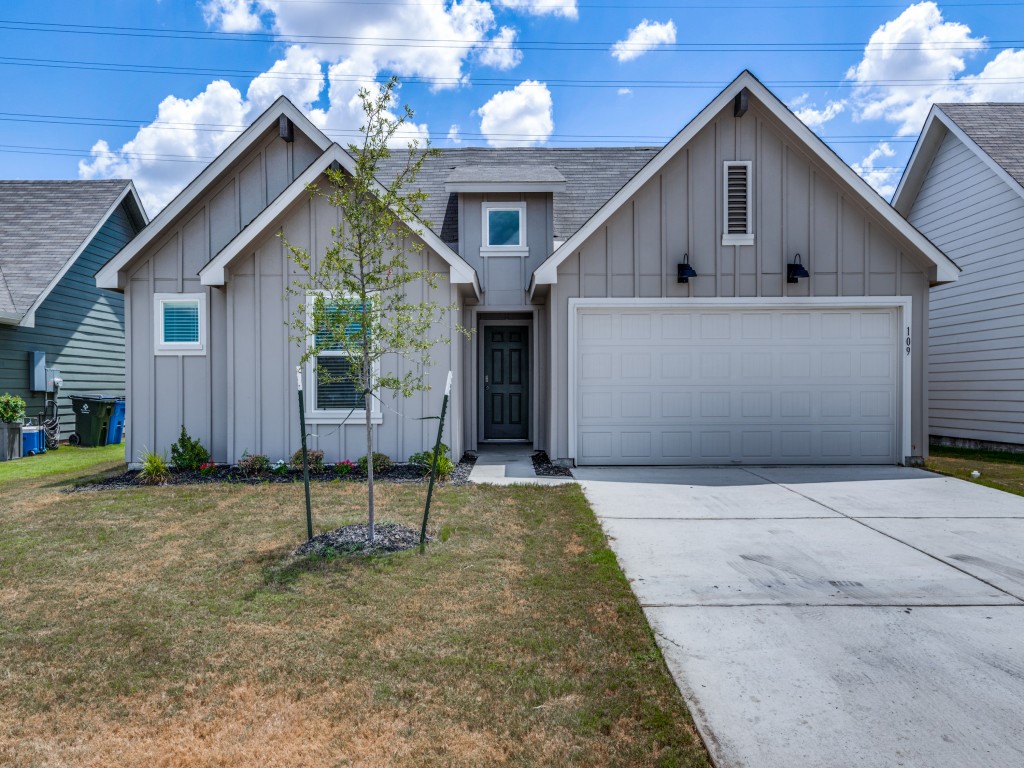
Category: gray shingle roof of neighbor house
[592,175]
[997,128]
[43,224]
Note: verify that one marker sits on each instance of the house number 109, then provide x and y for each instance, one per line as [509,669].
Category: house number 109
[908,339]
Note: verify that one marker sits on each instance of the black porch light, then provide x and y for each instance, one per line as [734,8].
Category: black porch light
[685,271]
[796,270]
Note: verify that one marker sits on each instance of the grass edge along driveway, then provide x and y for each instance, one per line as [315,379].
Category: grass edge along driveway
[167,627]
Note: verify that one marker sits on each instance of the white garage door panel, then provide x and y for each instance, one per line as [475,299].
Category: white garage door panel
[685,386]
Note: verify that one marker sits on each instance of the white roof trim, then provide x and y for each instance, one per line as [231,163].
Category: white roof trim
[28,320]
[504,186]
[944,268]
[111,276]
[932,135]
[215,271]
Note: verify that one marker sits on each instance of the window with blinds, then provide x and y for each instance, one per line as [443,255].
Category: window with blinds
[179,323]
[335,389]
[738,228]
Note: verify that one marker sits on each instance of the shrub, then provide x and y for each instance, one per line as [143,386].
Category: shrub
[345,467]
[425,459]
[154,468]
[253,465]
[207,468]
[315,459]
[381,463]
[188,453]
[12,408]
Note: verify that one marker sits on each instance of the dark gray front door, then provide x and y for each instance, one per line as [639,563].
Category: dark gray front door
[506,383]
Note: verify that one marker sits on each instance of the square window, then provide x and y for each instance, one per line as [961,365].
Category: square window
[334,389]
[180,324]
[504,227]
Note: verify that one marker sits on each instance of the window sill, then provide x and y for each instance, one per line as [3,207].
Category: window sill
[358,418]
[505,250]
[737,239]
[172,352]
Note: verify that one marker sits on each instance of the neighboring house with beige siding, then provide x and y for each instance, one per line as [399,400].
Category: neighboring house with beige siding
[964,189]
[629,305]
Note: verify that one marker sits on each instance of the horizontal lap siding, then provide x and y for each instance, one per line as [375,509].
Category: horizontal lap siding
[976,360]
[80,328]
[799,206]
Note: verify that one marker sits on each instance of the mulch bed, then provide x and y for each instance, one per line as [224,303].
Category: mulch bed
[399,473]
[352,539]
[544,468]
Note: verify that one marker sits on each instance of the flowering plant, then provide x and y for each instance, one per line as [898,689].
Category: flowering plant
[345,467]
[207,468]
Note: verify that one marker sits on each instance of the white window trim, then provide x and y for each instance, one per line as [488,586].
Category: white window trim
[160,347]
[340,416]
[487,208]
[737,239]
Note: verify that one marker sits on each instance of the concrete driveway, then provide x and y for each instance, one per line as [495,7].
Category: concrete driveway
[830,616]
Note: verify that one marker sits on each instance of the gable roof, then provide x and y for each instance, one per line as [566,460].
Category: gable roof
[44,227]
[112,274]
[943,268]
[592,175]
[215,272]
[994,132]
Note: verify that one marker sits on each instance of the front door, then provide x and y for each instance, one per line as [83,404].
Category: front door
[506,383]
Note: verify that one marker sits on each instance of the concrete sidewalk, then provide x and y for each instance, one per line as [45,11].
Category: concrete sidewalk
[830,616]
[509,464]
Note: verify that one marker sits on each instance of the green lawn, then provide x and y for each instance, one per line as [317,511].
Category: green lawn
[63,461]
[998,469]
[168,627]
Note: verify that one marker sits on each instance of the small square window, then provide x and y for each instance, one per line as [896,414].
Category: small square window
[335,391]
[180,323]
[503,226]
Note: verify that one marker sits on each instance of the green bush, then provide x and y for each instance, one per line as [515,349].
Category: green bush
[253,465]
[425,459]
[188,453]
[344,467]
[315,459]
[155,470]
[381,463]
[12,408]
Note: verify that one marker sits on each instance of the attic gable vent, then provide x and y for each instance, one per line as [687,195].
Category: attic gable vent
[738,228]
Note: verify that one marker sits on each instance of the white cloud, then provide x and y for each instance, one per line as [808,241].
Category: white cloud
[815,118]
[500,52]
[625,91]
[917,45]
[453,134]
[565,8]
[468,26]
[883,179]
[518,118]
[645,36]
[232,15]
[184,128]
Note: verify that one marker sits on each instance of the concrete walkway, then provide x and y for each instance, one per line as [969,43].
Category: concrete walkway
[853,616]
[509,464]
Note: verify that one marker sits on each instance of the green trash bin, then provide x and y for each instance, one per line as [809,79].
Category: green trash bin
[92,419]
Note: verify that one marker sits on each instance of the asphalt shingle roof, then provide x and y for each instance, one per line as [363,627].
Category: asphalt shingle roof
[528,173]
[42,225]
[592,176]
[997,128]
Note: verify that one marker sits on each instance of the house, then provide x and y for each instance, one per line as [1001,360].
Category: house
[964,189]
[739,295]
[54,236]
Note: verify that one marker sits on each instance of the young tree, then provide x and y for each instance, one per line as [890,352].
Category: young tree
[354,297]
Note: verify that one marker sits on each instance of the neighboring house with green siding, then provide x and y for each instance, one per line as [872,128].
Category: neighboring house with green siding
[54,237]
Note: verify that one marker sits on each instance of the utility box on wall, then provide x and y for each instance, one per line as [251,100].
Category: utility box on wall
[41,378]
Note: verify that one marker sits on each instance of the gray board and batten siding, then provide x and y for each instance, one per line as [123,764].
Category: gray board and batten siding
[239,396]
[800,205]
[976,359]
[78,326]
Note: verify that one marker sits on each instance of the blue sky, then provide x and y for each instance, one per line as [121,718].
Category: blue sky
[78,103]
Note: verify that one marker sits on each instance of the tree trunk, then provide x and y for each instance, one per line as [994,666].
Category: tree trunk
[368,403]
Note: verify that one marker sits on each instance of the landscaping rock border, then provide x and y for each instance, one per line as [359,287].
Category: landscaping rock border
[544,468]
[398,473]
[351,539]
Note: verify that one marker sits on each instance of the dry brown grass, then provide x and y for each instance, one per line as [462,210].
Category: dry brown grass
[169,627]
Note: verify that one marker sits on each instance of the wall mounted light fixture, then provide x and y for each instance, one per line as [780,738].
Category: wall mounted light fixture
[685,271]
[796,270]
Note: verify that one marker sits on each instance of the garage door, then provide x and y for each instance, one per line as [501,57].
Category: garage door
[724,386]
